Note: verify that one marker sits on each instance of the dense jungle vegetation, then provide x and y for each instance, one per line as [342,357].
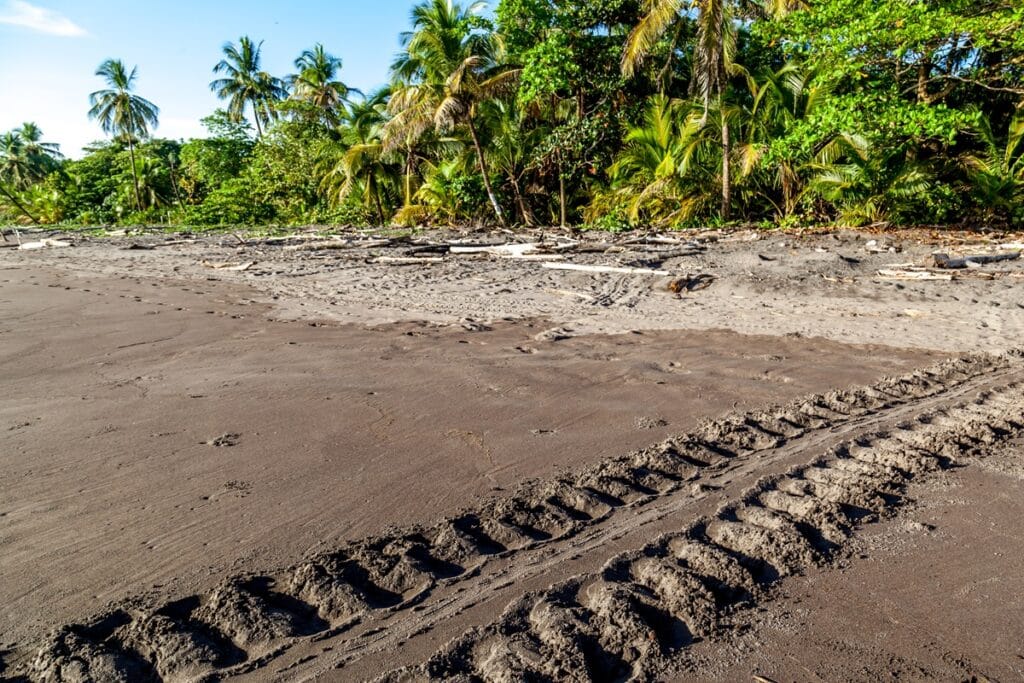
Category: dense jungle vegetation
[598,113]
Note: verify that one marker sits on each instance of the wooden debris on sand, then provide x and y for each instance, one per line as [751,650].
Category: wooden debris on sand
[227,265]
[42,244]
[406,260]
[516,250]
[338,244]
[891,274]
[552,265]
[946,261]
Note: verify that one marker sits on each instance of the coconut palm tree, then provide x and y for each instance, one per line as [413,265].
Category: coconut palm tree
[996,172]
[361,161]
[448,67]
[661,175]
[44,157]
[15,164]
[153,181]
[15,171]
[865,182]
[713,55]
[511,146]
[121,113]
[777,101]
[317,82]
[246,84]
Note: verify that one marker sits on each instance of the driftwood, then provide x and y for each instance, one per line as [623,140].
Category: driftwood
[42,244]
[339,244]
[887,274]
[427,249]
[509,250]
[945,261]
[229,266]
[603,269]
[406,260]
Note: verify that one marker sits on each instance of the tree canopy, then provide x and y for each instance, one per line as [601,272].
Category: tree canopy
[596,113]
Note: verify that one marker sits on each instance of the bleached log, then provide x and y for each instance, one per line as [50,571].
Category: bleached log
[887,274]
[407,260]
[603,269]
[42,244]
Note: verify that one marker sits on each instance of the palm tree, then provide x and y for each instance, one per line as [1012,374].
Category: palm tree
[362,162]
[15,170]
[511,146]
[15,164]
[712,60]
[317,82]
[778,101]
[438,195]
[447,69]
[996,173]
[661,175]
[867,183]
[121,113]
[153,179]
[43,156]
[245,84]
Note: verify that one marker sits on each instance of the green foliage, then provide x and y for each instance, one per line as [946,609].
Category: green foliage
[607,113]
[207,163]
[232,203]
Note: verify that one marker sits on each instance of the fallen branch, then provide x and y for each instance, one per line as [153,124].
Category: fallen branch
[338,244]
[945,261]
[886,274]
[509,250]
[406,260]
[603,269]
[229,266]
[42,244]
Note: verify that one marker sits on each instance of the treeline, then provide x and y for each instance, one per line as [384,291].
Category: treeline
[600,113]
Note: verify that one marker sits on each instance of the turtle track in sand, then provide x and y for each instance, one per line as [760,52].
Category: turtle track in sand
[609,623]
[618,623]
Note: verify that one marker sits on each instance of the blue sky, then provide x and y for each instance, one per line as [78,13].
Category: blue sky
[49,51]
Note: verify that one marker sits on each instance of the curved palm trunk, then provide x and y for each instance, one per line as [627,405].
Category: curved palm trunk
[483,171]
[561,194]
[375,191]
[520,202]
[256,116]
[726,170]
[135,171]
[174,186]
[408,176]
[135,174]
[14,200]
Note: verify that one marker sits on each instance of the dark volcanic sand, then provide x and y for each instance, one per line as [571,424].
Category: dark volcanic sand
[935,594]
[116,391]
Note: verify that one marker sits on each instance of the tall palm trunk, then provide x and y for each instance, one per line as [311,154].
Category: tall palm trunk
[131,153]
[14,200]
[371,187]
[256,116]
[174,185]
[408,176]
[561,193]
[135,174]
[483,171]
[524,210]
[726,170]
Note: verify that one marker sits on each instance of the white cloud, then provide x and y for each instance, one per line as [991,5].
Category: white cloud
[27,15]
